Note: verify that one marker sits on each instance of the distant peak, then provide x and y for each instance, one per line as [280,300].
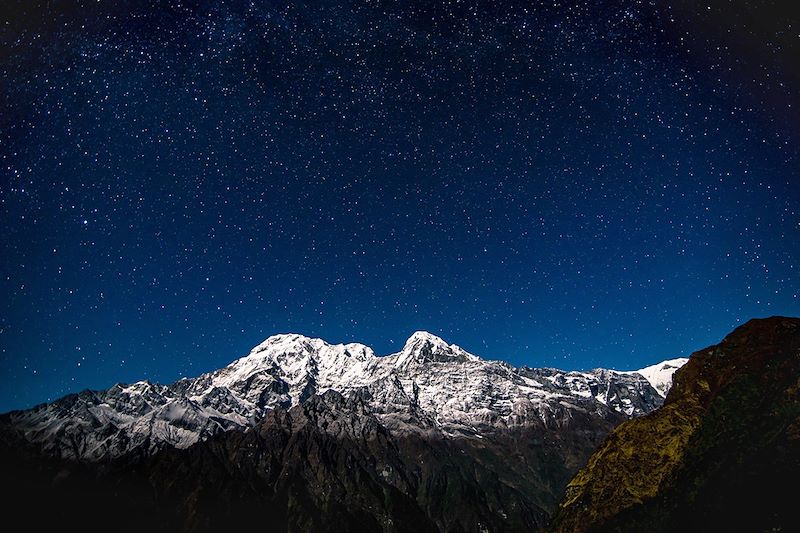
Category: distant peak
[284,337]
[425,337]
[660,374]
[423,346]
[285,341]
[667,365]
[296,346]
[673,363]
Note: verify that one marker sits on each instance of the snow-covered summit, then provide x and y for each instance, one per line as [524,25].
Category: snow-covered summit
[428,386]
[293,358]
[660,374]
[423,347]
[425,338]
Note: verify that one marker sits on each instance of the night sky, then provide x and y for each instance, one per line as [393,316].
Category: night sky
[568,184]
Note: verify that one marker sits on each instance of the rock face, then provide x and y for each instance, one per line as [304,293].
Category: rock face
[314,436]
[719,455]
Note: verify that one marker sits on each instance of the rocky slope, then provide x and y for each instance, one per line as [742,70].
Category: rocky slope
[720,454]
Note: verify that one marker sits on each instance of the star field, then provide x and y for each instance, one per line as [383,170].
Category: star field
[554,184]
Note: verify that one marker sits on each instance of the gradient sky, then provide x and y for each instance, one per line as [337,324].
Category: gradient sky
[562,184]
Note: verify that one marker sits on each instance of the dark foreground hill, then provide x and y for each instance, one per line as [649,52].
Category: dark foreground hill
[722,453]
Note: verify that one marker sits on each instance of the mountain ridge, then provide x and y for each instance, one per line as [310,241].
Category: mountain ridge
[323,436]
[429,385]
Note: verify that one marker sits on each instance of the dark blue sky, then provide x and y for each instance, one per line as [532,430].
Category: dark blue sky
[556,185]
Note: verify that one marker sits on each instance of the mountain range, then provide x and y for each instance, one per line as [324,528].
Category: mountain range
[430,387]
[325,436]
[303,435]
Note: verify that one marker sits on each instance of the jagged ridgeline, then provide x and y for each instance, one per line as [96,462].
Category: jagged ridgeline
[304,435]
[722,454]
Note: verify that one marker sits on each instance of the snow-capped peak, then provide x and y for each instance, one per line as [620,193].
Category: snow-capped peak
[660,374]
[425,337]
[299,345]
[423,347]
[286,341]
[294,358]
